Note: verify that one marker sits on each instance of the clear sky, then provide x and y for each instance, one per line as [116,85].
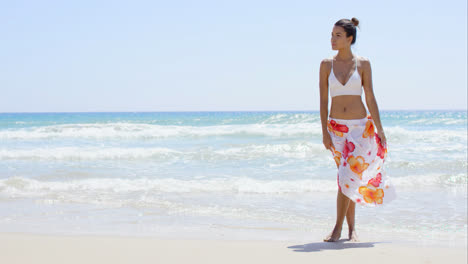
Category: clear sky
[91,55]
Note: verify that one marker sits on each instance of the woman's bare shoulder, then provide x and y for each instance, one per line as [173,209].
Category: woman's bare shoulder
[363,60]
[326,63]
[327,60]
[364,63]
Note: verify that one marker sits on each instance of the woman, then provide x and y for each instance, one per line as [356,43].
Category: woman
[349,132]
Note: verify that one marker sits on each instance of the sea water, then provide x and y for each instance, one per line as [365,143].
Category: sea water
[223,175]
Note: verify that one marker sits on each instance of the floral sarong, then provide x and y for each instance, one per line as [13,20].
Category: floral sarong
[360,156]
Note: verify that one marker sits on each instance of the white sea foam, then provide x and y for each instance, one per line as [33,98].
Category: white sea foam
[439,121]
[150,131]
[291,119]
[401,156]
[89,153]
[428,165]
[25,187]
[247,151]
[401,135]
[442,180]
[15,187]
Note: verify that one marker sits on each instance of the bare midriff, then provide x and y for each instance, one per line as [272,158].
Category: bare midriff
[347,107]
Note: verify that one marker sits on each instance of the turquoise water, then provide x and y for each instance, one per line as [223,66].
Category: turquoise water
[222,174]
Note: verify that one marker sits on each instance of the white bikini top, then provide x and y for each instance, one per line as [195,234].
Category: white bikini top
[352,87]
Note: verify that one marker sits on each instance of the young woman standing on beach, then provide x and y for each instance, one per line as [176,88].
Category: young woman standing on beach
[349,132]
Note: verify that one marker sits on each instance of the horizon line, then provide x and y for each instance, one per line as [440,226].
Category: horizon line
[195,111]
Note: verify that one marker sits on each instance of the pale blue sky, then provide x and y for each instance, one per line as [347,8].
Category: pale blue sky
[65,56]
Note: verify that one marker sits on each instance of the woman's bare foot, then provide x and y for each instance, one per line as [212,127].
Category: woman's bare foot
[353,236]
[334,236]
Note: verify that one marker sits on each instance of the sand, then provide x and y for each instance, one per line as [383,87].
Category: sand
[34,248]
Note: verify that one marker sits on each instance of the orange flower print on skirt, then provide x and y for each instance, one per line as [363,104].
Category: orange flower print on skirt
[369,130]
[336,156]
[357,165]
[372,195]
[360,156]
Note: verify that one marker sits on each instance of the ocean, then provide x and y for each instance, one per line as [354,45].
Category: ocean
[223,175]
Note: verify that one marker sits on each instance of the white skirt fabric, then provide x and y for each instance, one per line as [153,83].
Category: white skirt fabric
[360,157]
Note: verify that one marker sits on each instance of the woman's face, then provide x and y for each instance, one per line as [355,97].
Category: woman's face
[339,39]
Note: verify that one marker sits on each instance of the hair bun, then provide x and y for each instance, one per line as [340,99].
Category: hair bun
[355,21]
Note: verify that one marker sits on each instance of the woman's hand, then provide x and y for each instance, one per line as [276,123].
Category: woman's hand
[383,139]
[327,141]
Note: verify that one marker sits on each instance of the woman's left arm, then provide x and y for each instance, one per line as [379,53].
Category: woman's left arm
[370,98]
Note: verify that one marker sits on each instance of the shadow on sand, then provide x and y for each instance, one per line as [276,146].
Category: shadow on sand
[320,246]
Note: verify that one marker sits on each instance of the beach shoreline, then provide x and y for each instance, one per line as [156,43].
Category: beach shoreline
[42,248]
[251,187]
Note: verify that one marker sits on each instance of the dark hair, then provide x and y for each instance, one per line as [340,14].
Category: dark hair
[349,27]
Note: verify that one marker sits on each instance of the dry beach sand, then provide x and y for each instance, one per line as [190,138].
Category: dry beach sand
[34,248]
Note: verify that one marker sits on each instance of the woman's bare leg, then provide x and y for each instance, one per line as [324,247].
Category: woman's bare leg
[342,203]
[350,219]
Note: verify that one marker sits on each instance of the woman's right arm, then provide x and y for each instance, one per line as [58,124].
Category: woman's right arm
[323,84]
